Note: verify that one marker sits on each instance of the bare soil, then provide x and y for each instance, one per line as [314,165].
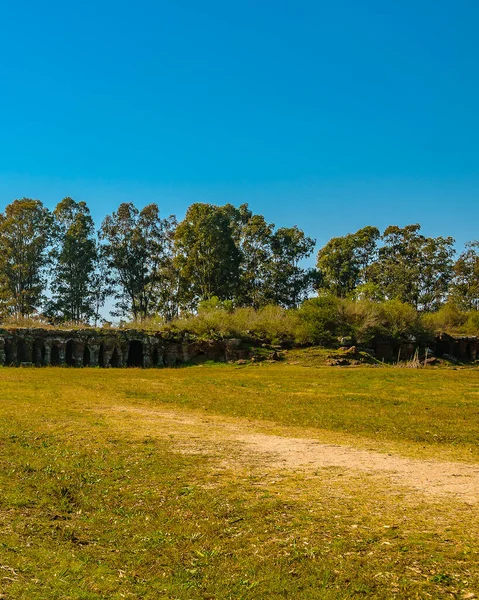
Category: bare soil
[238,443]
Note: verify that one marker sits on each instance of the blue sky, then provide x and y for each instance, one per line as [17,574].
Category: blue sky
[328,115]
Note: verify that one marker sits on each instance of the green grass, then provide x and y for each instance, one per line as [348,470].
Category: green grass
[427,411]
[95,506]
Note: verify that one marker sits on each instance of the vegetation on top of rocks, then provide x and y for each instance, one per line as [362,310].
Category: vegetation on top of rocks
[324,320]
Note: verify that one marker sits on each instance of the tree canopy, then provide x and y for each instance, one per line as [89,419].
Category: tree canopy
[74,256]
[57,265]
[25,233]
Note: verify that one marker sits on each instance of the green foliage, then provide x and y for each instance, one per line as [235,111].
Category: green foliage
[327,318]
[137,247]
[224,258]
[413,268]
[472,323]
[465,284]
[449,318]
[401,320]
[270,270]
[206,255]
[74,255]
[25,232]
[368,291]
[322,320]
[407,266]
[254,242]
[216,319]
[215,303]
[287,283]
[344,261]
[366,319]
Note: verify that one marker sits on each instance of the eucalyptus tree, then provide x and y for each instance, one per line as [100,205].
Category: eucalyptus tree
[253,237]
[464,289]
[74,255]
[344,262]
[136,246]
[287,282]
[270,268]
[413,268]
[206,255]
[256,262]
[25,232]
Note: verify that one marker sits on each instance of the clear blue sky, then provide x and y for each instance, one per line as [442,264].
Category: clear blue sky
[328,115]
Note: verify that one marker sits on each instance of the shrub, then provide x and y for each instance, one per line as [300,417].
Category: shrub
[321,320]
[215,303]
[402,321]
[271,324]
[391,319]
[449,318]
[472,324]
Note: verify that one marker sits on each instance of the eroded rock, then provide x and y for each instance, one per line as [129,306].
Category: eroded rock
[111,348]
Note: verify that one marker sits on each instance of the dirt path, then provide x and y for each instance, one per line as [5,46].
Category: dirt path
[235,442]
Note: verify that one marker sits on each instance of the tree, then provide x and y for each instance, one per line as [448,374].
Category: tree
[412,268]
[269,270]
[344,261]
[206,255]
[436,273]
[25,231]
[101,284]
[136,247]
[256,260]
[74,292]
[464,290]
[168,296]
[287,283]
[253,237]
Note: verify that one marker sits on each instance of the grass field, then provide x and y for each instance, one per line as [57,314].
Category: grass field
[129,484]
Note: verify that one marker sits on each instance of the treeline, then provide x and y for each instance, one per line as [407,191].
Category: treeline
[401,264]
[57,265]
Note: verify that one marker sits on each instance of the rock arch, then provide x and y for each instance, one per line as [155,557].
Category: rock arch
[135,354]
[10,352]
[86,356]
[55,359]
[39,352]
[101,356]
[69,360]
[115,360]
[22,351]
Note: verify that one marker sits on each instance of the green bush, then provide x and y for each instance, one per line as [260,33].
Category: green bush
[472,324]
[366,320]
[271,324]
[402,321]
[321,320]
[449,318]
[391,319]
[215,303]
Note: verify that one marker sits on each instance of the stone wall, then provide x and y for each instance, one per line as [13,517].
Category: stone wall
[110,348]
[462,348]
[132,348]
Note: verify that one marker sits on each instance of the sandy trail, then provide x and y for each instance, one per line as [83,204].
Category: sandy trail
[236,442]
